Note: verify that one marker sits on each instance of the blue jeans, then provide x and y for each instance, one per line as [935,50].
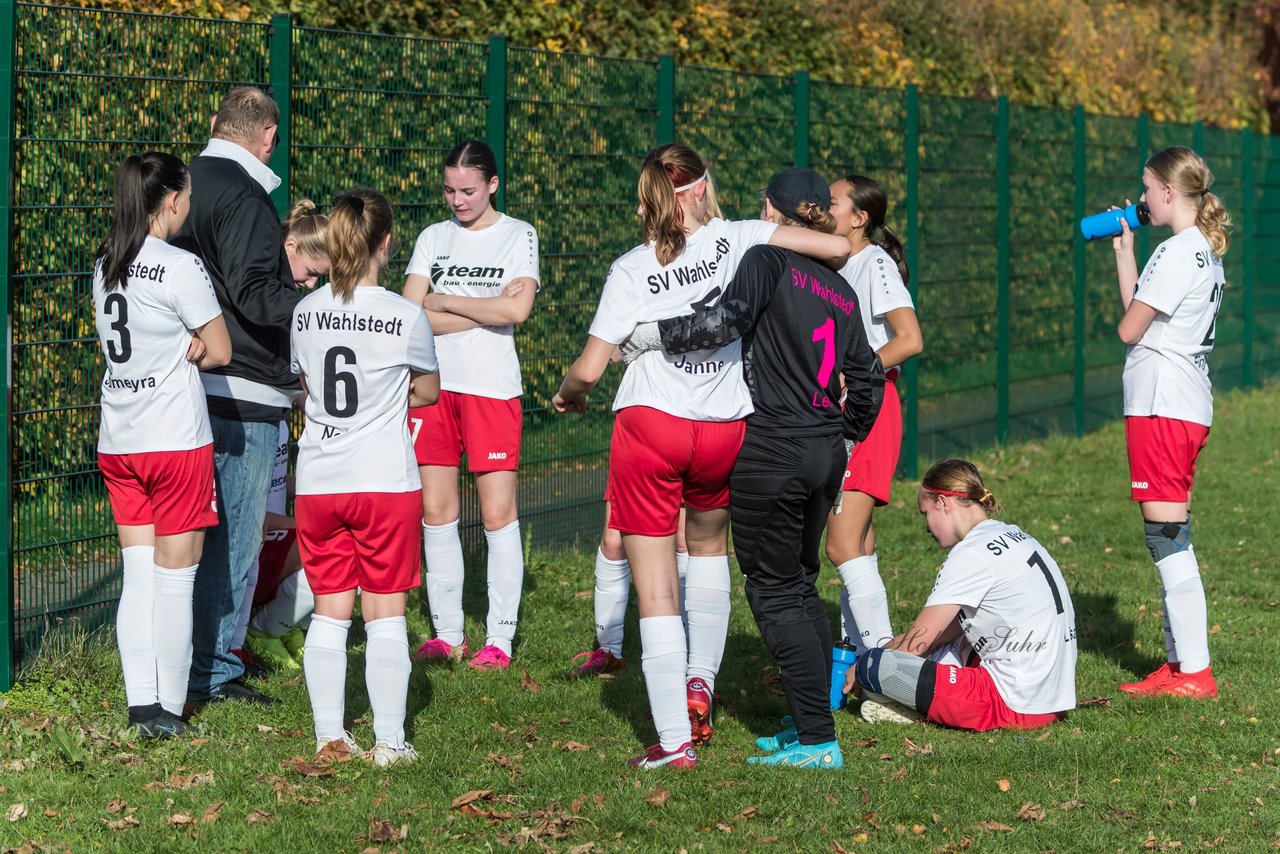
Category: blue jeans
[243,454]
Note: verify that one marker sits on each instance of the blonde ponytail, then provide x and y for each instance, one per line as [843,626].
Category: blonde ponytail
[1213,220]
[661,217]
[359,222]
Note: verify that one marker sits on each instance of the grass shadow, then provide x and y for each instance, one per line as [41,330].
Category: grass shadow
[1101,630]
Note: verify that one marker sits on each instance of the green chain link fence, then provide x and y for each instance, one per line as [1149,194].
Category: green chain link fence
[1018,314]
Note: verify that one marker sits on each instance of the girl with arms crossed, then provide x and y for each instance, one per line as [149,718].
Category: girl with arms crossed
[1000,597]
[877,270]
[1169,319]
[159,323]
[364,356]
[476,275]
[677,432]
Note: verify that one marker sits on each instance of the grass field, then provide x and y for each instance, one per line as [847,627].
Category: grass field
[531,759]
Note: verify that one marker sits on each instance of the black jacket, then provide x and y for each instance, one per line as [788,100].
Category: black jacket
[801,330]
[235,230]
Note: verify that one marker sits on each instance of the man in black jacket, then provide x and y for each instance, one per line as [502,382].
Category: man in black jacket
[235,230]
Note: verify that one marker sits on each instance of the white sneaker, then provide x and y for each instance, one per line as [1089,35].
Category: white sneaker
[384,755]
[877,708]
[347,738]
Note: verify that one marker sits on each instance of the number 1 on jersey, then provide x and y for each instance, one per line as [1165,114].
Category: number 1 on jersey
[826,333]
[1038,562]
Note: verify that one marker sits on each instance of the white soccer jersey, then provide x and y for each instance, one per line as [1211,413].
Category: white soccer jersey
[152,399]
[480,361]
[703,386]
[356,357]
[1167,372]
[277,497]
[1016,614]
[878,283]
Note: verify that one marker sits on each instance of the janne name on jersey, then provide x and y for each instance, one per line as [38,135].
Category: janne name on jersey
[801,279]
[346,321]
[131,385]
[659,282]
[711,366]
[1006,540]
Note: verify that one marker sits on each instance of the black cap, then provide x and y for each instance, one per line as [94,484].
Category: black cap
[790,187]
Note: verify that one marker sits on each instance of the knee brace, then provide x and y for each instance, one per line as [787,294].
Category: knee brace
[898,675]
[1167,538]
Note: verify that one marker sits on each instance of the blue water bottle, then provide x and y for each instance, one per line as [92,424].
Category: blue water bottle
[843,656]
[1107,223]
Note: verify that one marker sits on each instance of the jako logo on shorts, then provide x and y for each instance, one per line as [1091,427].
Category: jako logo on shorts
[951,675]
[497,455]
[1139,484]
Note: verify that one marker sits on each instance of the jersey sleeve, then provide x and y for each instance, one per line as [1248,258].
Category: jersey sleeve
[736,313]
[863,383]
[887,290]
[1167,278]
[421,355]
[294,364]
[423,254]
[965,579]
[192,294]
[526,253]
[752,232]
[618,309]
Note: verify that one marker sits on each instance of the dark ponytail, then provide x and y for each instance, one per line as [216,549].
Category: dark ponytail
[869,197]
[142,182]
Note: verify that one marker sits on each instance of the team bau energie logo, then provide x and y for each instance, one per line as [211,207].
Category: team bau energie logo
[492,277]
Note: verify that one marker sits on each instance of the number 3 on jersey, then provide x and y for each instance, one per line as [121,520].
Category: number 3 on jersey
[116,307]
[336,380]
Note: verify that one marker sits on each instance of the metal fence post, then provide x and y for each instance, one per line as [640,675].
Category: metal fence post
[495,87]
[8,51]
[666,116]
[910,377]
[800,110]
[280,62]
[1002,254]
[1244,227]
[1079,288]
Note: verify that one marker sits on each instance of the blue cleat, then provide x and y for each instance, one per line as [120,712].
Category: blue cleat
[774,743]
[817,756]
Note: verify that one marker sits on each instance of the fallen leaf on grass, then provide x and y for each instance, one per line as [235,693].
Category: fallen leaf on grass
[116,806]
[180,818]
[914,749]
[335,751]
[1151,843]
[385,831]
[873,819]
[211,814]
[724,828]
[181,781]
[198,742]
[1095,701]
[1072,805]
[995,826]
[265,728]
[885,757]
[16,812]
[749,812]
[837,848]
[1003,785]
[866,742]
[527,683]
[471,797]
[658,797]
[1122,813]
[584,595]
[307,769]
[50,813]
[900,774]
[1031,811]
[127,759]
[259,816]
[126,823]
[575,746]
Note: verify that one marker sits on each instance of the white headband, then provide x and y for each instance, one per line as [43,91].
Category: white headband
[692,183]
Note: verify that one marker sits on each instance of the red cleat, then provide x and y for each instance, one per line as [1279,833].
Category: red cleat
[700,700]
[1199,685]
[682,758]
[1156,680]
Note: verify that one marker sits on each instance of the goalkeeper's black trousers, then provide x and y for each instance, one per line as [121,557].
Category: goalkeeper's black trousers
[779,494]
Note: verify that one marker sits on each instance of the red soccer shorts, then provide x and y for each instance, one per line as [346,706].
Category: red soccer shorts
[658,461]
[487,430]
[875,459]
[1162,456]
[966,698]
[172,490]
[370,540]
[274,565]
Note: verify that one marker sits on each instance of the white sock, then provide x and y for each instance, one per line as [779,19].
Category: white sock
[864,604]
[386,676]
[1185,609]
[237,639]
[325,666]
[663,656]
[442,548]
[706,604]
[613,586]
[292,604]
[506,579]
[133,625]
[171,634]
[682,572]
[1170,646]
